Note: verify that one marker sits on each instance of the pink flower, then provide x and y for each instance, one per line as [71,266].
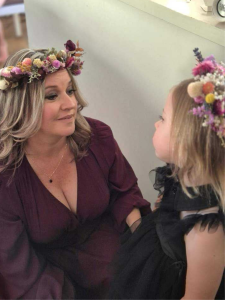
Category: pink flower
[27,62]
[199,100]
[16,71]
[5,72]
[69,62]
[56,64]
[221,69]
[70,46]
[203,68]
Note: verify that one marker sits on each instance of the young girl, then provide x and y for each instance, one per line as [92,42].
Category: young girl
[177,252]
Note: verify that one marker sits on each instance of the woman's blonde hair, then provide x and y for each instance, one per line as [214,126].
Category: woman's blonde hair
[197,149]
[21,116]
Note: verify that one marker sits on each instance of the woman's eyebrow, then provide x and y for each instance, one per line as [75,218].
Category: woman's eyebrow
[51,86]
[55,86]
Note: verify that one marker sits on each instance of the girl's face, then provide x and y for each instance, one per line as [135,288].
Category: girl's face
[60,107]
[161,139]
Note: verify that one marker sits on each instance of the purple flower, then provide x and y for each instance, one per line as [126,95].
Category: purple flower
[211,118]
[16,71]
[210,58]
[219,107]
[203,68]
[70,46]
[69,62]
[56,64]
[76,72]
[198,111]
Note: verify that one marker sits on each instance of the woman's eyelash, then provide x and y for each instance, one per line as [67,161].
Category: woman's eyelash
[161,118]
[72,91]
[52,97]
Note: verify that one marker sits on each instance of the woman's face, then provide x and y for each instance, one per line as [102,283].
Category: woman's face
[60,106]
[161,139]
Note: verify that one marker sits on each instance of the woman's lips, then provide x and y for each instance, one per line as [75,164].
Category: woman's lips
[66,118]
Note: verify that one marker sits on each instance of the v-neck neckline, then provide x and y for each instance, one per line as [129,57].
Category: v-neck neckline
[50,194]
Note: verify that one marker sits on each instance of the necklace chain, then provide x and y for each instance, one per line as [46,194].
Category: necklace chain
[50,177]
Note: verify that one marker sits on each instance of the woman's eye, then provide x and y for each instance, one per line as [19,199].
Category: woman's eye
[72,91]
[51,97]
[161,118]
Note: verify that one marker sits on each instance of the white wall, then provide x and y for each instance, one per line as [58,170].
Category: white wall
[132,60]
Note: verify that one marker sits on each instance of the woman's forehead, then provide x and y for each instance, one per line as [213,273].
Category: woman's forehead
[58,78]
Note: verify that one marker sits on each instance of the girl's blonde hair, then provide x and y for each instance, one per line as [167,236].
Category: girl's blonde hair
[197,149]
[21,116]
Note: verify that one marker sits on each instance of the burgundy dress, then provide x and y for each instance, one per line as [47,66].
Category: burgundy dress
[48,252]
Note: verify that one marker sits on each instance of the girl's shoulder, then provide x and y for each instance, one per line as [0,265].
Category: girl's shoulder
[204,200]
[172,192]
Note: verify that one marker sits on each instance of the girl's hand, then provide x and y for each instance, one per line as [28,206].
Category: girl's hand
[133,216]
[205,262]
[158,200]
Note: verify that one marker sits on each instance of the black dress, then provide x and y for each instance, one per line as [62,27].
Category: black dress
[152,261]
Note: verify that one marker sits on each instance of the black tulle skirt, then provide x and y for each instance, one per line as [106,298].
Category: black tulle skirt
[142,269]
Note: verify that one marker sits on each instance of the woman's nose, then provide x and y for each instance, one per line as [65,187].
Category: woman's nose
[69,102]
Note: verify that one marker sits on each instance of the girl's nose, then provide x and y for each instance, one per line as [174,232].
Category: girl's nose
[156,124]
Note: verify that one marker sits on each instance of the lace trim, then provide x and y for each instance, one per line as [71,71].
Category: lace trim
[211,210]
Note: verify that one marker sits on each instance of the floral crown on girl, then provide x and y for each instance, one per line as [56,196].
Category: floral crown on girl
[208,92]
[28,70]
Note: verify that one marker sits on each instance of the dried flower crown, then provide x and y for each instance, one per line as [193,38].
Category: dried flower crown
[29,70]
[208,92]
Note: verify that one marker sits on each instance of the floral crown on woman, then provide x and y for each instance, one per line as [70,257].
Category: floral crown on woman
[28,70]
[208,92]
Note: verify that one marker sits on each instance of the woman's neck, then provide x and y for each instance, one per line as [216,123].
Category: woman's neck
[44,147]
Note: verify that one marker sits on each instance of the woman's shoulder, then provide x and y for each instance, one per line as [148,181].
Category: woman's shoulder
[99,128]
[103,144]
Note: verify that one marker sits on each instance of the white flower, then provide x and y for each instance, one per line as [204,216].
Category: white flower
[4,84]
[37,62]
[52,57]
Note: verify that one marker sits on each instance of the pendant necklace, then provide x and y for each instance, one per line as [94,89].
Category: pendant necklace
[50,177]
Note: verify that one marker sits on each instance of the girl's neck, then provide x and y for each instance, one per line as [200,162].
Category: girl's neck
[195,180]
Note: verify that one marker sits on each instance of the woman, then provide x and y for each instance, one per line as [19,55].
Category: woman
[66,189]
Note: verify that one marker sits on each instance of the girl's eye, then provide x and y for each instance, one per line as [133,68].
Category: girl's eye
[51,97]
[161,118]
[71,92]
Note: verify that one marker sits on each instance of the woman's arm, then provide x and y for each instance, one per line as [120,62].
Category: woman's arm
[205,262]
[126,199]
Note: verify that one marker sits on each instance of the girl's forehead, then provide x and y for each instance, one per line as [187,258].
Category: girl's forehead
[168,108]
